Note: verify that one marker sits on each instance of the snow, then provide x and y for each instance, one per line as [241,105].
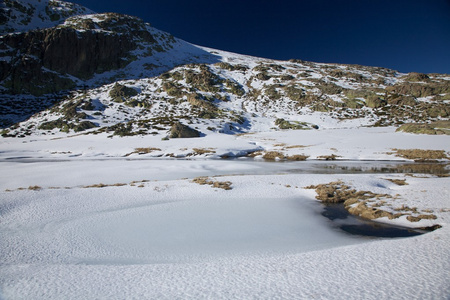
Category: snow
[152,233]
[341,139]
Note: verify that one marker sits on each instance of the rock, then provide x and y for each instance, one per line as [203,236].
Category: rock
[71,48]
[415,77]
[375,102]
[179,130]
[120,93]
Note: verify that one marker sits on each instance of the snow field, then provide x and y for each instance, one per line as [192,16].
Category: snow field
[346,143]
[151,233]
[172,238]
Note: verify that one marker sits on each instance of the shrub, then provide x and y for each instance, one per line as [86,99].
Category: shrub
[234,88]
[284,124]
[173,89]
[330,88]
[294,93]
[272,93]
[204,81]
[263,76]
[230,67]
[84,126]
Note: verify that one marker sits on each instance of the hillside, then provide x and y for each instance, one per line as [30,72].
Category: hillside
[115,73]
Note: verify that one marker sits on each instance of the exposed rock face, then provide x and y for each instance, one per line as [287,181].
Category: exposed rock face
[179,130]
[67,50]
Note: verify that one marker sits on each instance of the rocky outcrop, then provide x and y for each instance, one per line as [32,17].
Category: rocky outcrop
[40,59]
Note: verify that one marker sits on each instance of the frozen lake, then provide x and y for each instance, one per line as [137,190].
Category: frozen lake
[116,228]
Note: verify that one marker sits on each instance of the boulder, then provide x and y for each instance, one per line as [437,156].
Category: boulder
[179,130]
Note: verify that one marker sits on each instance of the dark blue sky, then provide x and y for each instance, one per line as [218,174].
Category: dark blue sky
[405,35]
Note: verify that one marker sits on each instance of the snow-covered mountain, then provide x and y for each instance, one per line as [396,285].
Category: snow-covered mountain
[114,73]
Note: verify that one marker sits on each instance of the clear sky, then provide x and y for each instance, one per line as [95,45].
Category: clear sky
[405,35]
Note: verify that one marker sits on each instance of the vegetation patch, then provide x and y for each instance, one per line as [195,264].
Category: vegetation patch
[230,67]
[420,155]
[418,89]
[203,180]
[421,217]
[273,155]
[295,146]
[294,125]
[364,204]
[143,150]
[434,128]
[201,151]
[65,126]
[205,80]
[398,181]
[34,188]
[297,157]
[328,157]
[338,192]
[102,185]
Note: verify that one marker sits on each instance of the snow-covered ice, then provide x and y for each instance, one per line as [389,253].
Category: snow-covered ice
[152,233]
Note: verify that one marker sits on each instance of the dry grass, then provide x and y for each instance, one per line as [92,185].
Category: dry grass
[143,150]
[421,217]
[297,157]
[146,150]
[273,155]
[102,185]
[200,151]
[34,188]
[98,185]
[421,155]
[338,192]
[398,181]
[295,146]
[226,185]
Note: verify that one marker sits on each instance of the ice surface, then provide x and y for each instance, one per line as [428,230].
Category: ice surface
[172,238]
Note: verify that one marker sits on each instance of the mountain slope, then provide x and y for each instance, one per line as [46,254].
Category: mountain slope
[137,80]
